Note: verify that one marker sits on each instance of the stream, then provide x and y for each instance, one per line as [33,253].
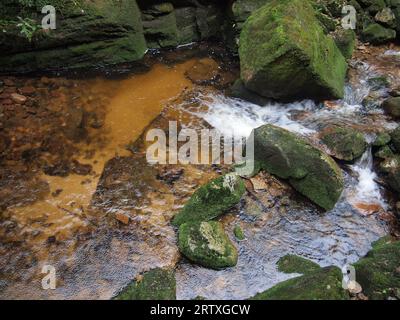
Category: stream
[80,226]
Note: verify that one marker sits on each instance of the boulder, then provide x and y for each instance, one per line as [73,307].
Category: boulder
[377,34]
[156,284]
[284,53]
[321,284]
[212,200]
[346,41]
[295,264]
[344,143]
[392,107]
[207,244]
[88,34]
[378,272]
[309,170]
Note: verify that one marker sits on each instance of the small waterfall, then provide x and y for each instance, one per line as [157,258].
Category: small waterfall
[367,190]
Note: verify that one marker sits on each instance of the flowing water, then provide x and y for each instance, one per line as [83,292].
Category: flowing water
[95,255]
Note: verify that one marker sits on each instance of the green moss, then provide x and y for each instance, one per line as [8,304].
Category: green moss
[381,139]
[395,135]
[238,232]
[376,34]
[156,284]
[378,273]
[284,53]
[310,171]
[345,143]
[206,244]
[346,41]
[295,264]
[212,200]
[322,284]
[384,153]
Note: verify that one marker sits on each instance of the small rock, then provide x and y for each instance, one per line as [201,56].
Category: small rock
[27,91]
[392,107]
[18,98]
[123,218]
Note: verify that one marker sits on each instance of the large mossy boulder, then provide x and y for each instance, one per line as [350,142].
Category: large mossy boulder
[207,244]
[212,199]
[379,272]
[345,143]
[87,34]
[377,34]
[322,284]
[285,54]
[156,284]
[309,170]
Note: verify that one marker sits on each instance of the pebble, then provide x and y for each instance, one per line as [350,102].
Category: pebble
[121,217]
[18,98]
[27,91]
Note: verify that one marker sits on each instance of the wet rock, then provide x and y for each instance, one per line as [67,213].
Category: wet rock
[212,200]
[204,72]
[18,98]
[156,284]
[20,188]
[123,218]
[377,34]
[206,244]
[379,83]
[384,153]
[309,170]
[382,139]
[80,169]
[377,271]
[279,57]
[322,284]
[345,143]
[392,107]
[124,183]
[295,264]
[238,90]
[170,176]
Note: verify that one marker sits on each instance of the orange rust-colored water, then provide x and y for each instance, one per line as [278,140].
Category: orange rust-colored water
[136,102]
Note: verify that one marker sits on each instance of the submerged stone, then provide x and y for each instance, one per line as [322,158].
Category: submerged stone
[207,244]
[284,53]
[212,200]
[345,143]
[322,284]
[156,284]
[295,264]
[379,271]
[309,170]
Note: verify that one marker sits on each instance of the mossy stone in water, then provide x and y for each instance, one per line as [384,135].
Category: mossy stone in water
[284,53]
[345,143]
[384,153]
[309,170]
[382,139]
[379,272]
[392,107]
[322,284]
[295,264]
[345,40]
[207,244]
[156,284]
[238,232]
[212,200]
[395,135]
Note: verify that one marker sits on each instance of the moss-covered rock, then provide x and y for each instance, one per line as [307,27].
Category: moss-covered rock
[95,33]
[295,264]
[381,139]
[377,34]
[322,284]
[384,153]
[309,170]
[207,244]
[345,143]
[284,53]
[156,284]
[379,272]
[238,232]
[212,200]
[395,135]
[392,107]
[346,41]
